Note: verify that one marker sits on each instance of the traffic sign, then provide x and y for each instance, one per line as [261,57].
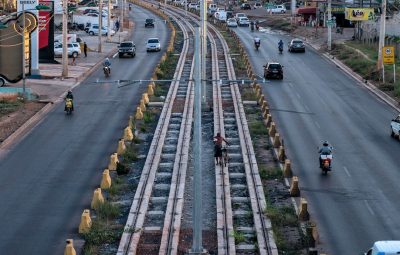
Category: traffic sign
[388,55]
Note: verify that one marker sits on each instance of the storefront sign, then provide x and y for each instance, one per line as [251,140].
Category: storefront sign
[359,14]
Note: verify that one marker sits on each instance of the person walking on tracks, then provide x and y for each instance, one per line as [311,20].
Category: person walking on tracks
[218,140]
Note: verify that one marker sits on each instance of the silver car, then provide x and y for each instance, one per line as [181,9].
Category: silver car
[153,44]
[231,22]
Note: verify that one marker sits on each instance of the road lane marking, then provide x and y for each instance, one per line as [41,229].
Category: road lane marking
[298,96]
[115,55]
[316,123]
[347,171]
[369,207]
[307,109]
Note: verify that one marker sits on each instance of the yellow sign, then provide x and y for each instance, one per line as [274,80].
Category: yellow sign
[388,55]
[359,14]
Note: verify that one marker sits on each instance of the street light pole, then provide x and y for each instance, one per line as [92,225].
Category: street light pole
[109,21]
[65,39]
[329,25]
[382,35]
[23,52]
[203,14]
[121,25]
[100,23]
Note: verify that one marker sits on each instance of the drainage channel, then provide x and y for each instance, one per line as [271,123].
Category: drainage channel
[155,199]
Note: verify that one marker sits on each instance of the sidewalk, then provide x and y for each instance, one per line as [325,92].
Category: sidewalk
[52,86]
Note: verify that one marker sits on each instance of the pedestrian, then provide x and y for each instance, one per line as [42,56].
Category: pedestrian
[117,26]
[73,60]
[85,49]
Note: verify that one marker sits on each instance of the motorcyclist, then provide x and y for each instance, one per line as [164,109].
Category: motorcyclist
[107,63]
[218,147]
[280,45]
[257,40]
[324,150]
[69,96]
[252,26]
[257,25]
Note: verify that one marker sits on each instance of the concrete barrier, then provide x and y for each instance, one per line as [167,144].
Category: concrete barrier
[150,90]
[145,98]
[142,105]
[281,154]
[128,135]
[121,145]
[303,210]
[294,187]
[97,199]
[272,130]
[264,106]
[69,248]
[112,166]
[139,114]
[287,168]
[265,114]
[106,180]
[86,222]
[268,121]
[261,99]
[277,140]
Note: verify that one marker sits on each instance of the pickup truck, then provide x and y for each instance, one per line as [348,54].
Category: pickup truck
[395,127]
[127,47]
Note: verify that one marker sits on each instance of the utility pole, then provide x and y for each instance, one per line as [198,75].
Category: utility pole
[121,25]
[293,10]
[329,25]
[100,24]
[65,39]
[197,247]
[382,35]
[109,21]
[23,52]
[203,15]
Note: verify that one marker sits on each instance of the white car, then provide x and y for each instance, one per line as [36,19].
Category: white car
[220,9]
[243,21]
[240,15]
[231,22]
[153,44]
[192,6]
[94,30]
[257,5]
[74,49]
[395,127]
[278,9]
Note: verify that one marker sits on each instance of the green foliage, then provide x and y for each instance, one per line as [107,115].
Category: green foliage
[282,216]
[270,173]
[238,236]
[100,233]
[122,168]
[148,117]
[248,95]
[130,155]
[108,211]
[9,106]
[257,128]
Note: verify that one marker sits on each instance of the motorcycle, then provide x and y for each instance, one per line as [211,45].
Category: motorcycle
[280,48]
[107,71]
[68,106]
[257,45]
[252,27]
[325,163]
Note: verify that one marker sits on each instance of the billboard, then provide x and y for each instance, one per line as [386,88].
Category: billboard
[46,32]
[359,14]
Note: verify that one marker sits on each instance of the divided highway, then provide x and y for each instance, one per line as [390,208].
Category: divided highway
[357,203]
[48,178]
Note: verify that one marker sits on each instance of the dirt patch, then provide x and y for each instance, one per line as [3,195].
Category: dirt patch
[11,120]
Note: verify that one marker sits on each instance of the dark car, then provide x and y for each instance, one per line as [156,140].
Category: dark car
[149,23]
[273,70]
[245,6]
[296,45]
[128,48]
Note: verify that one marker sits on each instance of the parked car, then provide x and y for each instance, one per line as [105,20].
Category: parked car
[245,6]
[278,9]
[384,248]
[296,45]
[257,5]
[240,15]
[153,44]
[273,70]
[128,48]
[74,49]
[395,127]
[149,23]
[192,6]
[220,9]
[243,21]
[94,30]
[231,22]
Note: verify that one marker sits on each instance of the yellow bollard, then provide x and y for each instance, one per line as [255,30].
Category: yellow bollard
[258,92]
[303,213]
[261,100]
[121,145]
[281,154]
[106,180]
[128,135]
[145,98]
[150,90]
[266,113]
[277,141]
[86,222]
[97,199]
[69,248]
[113,162]
[287,170]
[268,120]
[142,105]
[264,106]
[139,114]
[272,129]
[294,187]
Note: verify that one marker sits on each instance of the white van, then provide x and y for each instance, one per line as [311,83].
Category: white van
[385,248]
[220,15]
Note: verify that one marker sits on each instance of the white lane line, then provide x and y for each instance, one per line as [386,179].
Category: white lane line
[298,96]
[369,207]
[307,109]
[316,124]
[115,55]
[347,171]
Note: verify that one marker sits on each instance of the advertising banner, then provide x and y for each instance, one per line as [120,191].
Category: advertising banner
[359,14]
[46,32]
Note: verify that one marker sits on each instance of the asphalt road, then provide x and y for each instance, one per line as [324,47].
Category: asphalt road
[48,179]
[357,203]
